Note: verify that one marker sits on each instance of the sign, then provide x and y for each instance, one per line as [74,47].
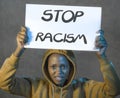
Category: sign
[62,27]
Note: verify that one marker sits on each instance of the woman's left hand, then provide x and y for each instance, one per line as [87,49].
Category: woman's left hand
[101,44]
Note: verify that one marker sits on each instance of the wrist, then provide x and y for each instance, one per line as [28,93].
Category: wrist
[18,52]
[103,56]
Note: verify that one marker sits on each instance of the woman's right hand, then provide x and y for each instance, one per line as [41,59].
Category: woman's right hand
[21,38]
[21,41]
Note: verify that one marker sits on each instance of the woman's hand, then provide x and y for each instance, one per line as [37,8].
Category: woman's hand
[21,38]
[101,44]
[21,41]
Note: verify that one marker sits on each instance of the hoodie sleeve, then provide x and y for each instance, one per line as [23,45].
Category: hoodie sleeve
[109,88]
[111,79]
[9,82]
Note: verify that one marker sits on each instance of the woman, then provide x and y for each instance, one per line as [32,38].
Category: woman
[59,69]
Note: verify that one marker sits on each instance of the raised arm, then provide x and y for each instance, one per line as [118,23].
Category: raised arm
[111,79]
[8,81]
[21,41]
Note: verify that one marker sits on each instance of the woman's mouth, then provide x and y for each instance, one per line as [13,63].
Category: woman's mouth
[59,78]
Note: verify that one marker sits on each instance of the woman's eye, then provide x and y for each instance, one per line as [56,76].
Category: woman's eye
[63,66]
[53,67]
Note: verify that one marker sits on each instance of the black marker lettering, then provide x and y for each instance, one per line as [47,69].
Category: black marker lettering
[57,14]
[55,38]
[48,35]
[66,16]
[67,20]
[70,36]
[47,13]
[39,35]
[78,14]
[80,36]
[59,37]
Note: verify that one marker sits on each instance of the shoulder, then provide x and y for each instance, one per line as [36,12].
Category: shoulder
[83,79]
[80,81]
[34,80]
[37,82]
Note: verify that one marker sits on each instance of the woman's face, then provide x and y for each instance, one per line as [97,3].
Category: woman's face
[58,68]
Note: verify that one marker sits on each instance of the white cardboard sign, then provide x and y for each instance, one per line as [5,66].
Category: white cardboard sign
[62,27]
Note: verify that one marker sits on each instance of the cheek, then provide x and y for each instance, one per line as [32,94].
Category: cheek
[51,72]
[66,71]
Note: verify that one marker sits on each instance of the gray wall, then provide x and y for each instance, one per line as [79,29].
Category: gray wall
[12,13]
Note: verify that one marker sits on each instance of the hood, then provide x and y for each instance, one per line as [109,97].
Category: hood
[71,58]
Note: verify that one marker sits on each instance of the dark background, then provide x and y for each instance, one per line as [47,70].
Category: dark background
[12,17]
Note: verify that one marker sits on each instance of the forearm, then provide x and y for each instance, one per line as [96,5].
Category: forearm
[9,82]
[111,79]
[18,51]
[7,72]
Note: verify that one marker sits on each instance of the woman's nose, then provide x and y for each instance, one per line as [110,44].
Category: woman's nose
[59,70]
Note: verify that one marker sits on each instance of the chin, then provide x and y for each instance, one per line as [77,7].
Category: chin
[59,84]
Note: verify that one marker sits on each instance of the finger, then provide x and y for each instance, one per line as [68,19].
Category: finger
[97,39]
[20,35]
[100,41]
[23,29]
[100,38]
[21,41]
[23,37]
[20,38]
[101,32]
[101,45]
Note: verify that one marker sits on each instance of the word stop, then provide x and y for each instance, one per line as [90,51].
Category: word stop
[49,15]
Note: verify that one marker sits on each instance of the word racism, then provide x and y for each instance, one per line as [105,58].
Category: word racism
[59,37]
[49,15]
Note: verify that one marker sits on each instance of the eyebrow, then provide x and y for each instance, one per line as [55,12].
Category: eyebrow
[52,65]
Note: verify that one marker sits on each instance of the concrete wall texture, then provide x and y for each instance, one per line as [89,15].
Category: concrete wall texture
[12,17]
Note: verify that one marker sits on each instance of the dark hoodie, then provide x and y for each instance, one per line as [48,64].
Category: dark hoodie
[45,88]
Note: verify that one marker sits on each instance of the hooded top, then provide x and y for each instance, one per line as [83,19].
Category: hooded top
[70,57]
[73,88]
